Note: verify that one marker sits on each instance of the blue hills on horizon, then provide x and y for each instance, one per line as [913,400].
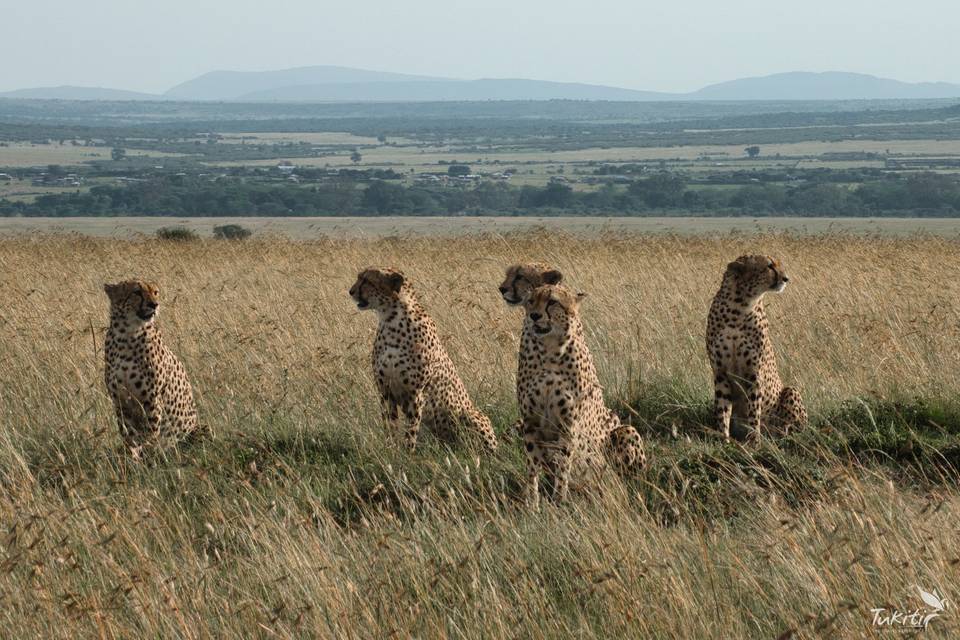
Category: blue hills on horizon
[344,84]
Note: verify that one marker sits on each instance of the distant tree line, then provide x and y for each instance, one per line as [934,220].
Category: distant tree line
[553,124]
[920,194]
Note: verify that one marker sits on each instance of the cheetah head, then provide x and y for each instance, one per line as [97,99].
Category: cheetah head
[552,309]
[377,288]
[522,279]
[134,299]
[757,274]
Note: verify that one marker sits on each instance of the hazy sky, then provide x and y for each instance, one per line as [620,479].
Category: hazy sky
[670,45]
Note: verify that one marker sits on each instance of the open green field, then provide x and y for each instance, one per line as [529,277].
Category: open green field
[535,166]
[25,189]
[405,154]
[417,155]
[34,155]
[374,227]
[301,516]
[296,137]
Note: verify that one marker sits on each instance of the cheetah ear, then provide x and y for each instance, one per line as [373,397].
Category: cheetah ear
[110,289]
[552,277]
[736,266]
[580,296]
[395,280]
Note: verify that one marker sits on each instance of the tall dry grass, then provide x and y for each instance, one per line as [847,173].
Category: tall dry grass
[301,518]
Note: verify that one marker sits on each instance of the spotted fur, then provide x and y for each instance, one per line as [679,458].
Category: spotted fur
[567,428]
[152,397]
[520,281]
[747,385]
[624,447]
[413,372]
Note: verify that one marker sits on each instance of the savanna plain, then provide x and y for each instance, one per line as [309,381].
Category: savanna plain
[302,517]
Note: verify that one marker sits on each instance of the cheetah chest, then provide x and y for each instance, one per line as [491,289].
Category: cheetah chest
[129,372]
[393,361]
[740,349]
[552,397]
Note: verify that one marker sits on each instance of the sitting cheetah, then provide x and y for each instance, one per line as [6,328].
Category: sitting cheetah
[520,282]
[746,382]
[413,372]
[567,428]
[151,395]
[624,447]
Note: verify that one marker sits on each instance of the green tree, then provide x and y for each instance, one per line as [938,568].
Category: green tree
[355,157]
[118,154]
[383,197]
[661,190]
[492,196]
[753,151]
[456,170]
[556,195]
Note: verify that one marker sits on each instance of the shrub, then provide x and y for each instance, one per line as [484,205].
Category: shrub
[231,232]
[181,234]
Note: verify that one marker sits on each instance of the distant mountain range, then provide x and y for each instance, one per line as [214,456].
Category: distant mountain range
[237,85]
[67,92]
[830,85]
[444,90]
[343,84]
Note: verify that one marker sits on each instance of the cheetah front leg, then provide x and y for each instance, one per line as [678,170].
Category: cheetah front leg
[413,412]
[153,414]
[531,491]
[128,412]
[754,411]
[390,410]
[562,465]
[535,462]
[723,404]
[141,427]
[131,424]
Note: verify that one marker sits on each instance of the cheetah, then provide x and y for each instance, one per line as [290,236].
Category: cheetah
[413,372]
[151,394]
[624,446]
[521,280]
[567,428]
[747,385]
